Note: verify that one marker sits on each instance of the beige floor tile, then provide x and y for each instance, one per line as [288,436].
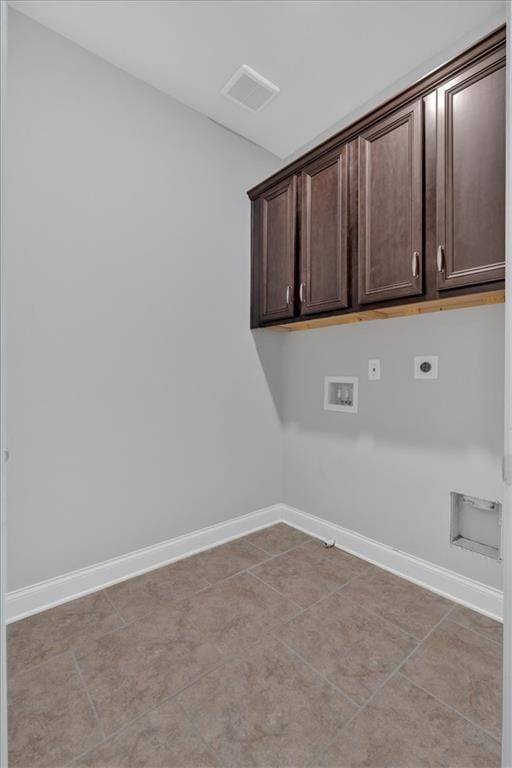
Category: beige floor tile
[135,668]
[483,624]
[241,655]
[463,669]
[277,539]
[351,647]
[237,611]
[227,559]
[310,572]
[414,609]
[37,638]
[50,716]
[404,727]
[163,738]
[143,594]
[268,709]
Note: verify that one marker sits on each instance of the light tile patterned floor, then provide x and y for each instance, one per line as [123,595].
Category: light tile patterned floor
[268,651]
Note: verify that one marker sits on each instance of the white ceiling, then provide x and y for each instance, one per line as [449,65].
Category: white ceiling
[328,58]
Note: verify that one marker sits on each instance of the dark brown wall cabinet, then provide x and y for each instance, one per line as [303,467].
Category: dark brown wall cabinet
[405,208]
[471,176]
[278,213]
[324,244]
[390,207]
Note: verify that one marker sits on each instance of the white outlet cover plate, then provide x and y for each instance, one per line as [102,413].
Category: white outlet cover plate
[426,360]
[373,370]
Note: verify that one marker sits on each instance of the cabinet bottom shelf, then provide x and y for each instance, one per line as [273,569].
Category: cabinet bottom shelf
[404,310]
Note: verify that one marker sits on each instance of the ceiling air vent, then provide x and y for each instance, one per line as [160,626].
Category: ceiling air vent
[250,89]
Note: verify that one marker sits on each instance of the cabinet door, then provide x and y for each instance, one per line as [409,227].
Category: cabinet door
[278,221]
[471,176]
[324,223]
[390,207]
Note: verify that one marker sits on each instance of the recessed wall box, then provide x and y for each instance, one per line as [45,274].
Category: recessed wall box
[340,393]
[476,525]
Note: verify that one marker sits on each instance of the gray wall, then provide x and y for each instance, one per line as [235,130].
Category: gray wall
[387,472]
[138,406]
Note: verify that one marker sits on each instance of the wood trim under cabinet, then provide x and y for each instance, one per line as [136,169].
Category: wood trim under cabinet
[403,310]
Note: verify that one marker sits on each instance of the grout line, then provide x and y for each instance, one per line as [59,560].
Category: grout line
[300,608]
[171,604]
[35,667]
[321,675]
[285,551]
[111,632]
[273,555]
[337,591]
[152,708]
[113,606]
[414,650]
[318,753]
[390,622]
[478,632]
[449,706]
[89,697]
[198,733]
[384,682]
[321,599]
[259,550]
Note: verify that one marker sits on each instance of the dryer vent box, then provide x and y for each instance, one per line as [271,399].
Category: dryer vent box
[476,525]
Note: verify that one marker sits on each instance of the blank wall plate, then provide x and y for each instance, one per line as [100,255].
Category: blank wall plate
[373,370]
[426,367]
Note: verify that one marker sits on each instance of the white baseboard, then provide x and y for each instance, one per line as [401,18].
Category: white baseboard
[47,594]
[473,594]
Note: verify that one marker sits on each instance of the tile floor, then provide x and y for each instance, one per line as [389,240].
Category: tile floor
[267,651]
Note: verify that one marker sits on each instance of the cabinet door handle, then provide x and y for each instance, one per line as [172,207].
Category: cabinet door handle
[415,264]
[301,292]
[288,294]
[440,258]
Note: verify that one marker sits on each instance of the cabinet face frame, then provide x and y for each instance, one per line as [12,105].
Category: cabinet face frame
[448,276]
[412,116]
[340,299]
[474,293]
[288,187]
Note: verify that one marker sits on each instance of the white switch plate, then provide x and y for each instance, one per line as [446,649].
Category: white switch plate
[426,367]
[373,370]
